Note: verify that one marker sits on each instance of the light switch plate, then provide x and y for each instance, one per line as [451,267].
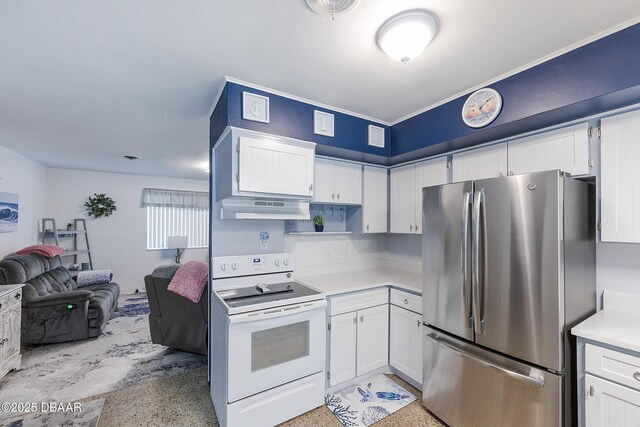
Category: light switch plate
[322,123]
[255,107]
[376,136]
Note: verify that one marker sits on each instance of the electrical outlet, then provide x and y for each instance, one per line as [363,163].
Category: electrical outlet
[264,240]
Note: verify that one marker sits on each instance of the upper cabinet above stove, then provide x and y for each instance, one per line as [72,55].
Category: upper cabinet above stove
[253,164]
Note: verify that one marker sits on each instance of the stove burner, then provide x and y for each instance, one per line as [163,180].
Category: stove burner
[261,293]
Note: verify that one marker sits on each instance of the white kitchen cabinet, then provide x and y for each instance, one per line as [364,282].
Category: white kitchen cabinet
[342,348]
[405,345]
[373,339]
[402,214]
[566,149]
[254,164]
[10,312]
[358,334]
[610,405]
[406,183]
[486,162]
[620,175]
[374,199]
[338,182]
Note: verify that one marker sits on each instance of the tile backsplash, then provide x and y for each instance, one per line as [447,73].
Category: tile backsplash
[315,253]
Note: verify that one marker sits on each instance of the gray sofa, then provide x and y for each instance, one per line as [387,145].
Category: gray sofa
[54,309]
[174,320]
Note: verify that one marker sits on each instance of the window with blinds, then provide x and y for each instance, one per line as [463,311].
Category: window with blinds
[176,213]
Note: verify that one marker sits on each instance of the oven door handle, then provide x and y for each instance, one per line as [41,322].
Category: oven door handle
[272,313]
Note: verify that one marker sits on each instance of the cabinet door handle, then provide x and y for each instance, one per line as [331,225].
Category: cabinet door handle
[637,375]
[338,196]
[418,323]
[355,319]
[367,226]
[333,196]
[4,341]
[592,391]
[410,227]
[361,318]
[416,227]
[406,301]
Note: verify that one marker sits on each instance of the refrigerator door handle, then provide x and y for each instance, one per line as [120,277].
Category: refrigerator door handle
[477,261]
[466,278]
[534,377]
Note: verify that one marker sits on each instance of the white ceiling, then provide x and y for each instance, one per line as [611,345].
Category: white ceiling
[84,82]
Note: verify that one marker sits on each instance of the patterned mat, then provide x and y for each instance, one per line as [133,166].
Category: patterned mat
[122,356]
[365,403]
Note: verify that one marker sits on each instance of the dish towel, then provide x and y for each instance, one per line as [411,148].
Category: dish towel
[93,277]
[48,251]
[190,280]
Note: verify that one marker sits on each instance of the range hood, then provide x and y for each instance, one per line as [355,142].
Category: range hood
[258,208]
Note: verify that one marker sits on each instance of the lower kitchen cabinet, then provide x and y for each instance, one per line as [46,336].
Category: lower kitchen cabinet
[405,346]
[612,387]
[611,405]
[373,339]
[342,347]
[359,343]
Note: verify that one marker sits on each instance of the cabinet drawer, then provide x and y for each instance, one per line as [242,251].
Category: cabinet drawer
[613,365]
[406,300]
[10,299]
[357,300]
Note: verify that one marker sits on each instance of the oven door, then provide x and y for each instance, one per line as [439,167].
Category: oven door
[274,346]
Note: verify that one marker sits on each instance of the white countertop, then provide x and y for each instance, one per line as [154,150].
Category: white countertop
[614,325]
[358,280]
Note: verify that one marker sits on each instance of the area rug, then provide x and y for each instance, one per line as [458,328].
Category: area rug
[365,403]
[122,356]
[86,414]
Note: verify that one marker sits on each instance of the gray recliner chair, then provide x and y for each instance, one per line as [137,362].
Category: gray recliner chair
[175,321]
[54,309]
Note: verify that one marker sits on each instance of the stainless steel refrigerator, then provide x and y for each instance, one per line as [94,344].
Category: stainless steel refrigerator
[509,268]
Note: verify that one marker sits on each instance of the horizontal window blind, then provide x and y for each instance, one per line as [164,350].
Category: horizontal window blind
[165,221]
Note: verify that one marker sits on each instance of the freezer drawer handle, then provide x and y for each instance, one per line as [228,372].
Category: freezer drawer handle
[533,379]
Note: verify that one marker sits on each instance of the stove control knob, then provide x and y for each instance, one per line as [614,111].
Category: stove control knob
[223,267]
[286,261]
[234,266]
[277,263]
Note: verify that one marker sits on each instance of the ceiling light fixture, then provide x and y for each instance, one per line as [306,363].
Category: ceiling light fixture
[405,35]
[331,7]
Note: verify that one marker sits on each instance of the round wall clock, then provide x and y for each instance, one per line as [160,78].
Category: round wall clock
[481,108]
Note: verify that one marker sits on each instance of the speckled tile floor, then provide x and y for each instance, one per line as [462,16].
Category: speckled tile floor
[183,400]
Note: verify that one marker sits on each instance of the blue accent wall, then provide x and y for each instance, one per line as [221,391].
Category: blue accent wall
[219,118]
[294,119]
[597,77]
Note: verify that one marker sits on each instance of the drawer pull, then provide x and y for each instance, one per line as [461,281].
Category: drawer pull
[4,341]
[18,295]
[406,301]
[637,375]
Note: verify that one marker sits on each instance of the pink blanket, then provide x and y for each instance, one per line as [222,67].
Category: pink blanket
[190,280]
[45,250]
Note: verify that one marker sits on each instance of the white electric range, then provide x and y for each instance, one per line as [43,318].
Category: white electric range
[268,336]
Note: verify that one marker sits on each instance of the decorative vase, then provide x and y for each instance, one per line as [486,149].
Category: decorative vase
[318,227]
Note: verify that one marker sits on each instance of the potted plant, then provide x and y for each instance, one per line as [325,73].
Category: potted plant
[318,222]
